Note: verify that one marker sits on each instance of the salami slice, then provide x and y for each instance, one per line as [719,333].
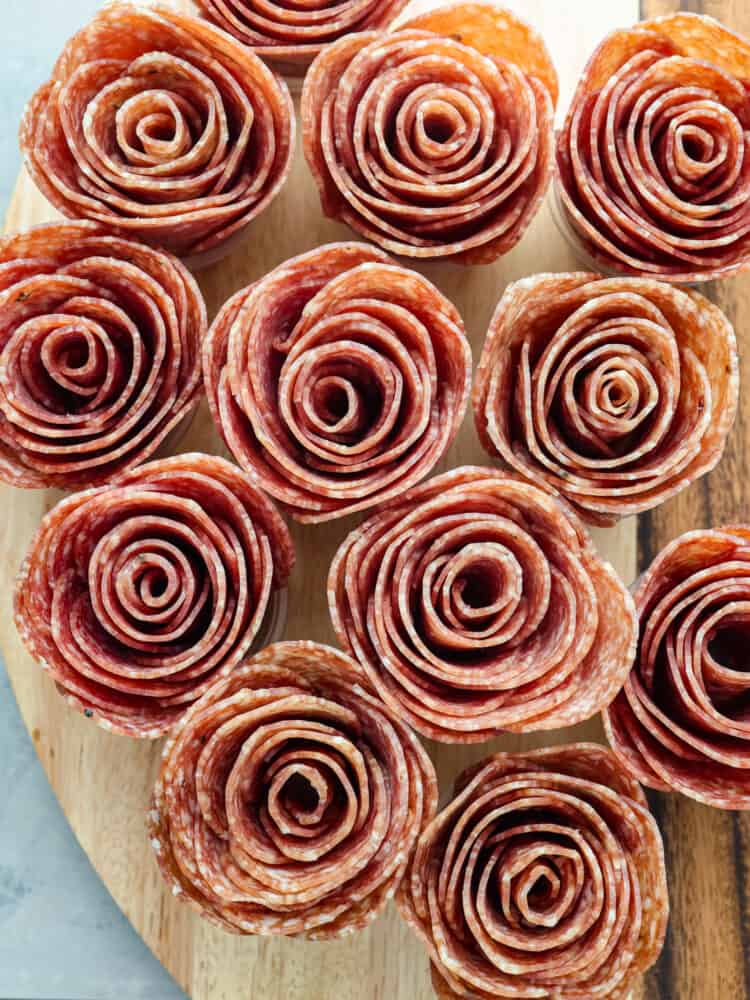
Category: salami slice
[615,393]
[680,723]
[100,342]
[136,596]
[477,604]
[290,798]
[652,166]
[288,35]
[544,877]
[338,380]
[435,140]
[161,127]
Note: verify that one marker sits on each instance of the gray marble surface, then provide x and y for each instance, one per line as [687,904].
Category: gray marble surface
[61,935]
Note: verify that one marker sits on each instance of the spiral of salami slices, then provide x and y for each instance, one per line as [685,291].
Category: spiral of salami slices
[100,342]
[478,604]
[543,877]
[653,166]
[290,35]
[290,798]
[135,596]
[434,140]
[338,379]
[615,393]
[680,723]
[162,127]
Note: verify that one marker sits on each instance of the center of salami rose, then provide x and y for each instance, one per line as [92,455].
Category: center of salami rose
[476,604]
[614,392]
[138,595]
[652,160]
[339,379]
[543,877]
[434,140]
[305,795]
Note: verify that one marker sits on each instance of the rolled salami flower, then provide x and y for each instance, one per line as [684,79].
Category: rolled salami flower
[434,140]
[290,798]
[288,36]
[680,723]
[161,127]
[100,342]
[544,877]
[652,166]
[136,596]
[477,604]
[615,393]
[338,380]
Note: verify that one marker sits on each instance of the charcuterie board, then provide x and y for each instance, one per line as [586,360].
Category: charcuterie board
[103,782]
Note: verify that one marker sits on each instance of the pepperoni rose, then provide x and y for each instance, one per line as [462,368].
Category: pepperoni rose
[543,877]
[653,164]
[161,127]
[136,596]
[338,380]
[615,393]
[681,723]
[100,343]
[477,604]
[289,798]
[289,36]
[434,141]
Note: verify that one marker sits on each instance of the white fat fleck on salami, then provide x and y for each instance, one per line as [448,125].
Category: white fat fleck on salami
[614,393]
[338,380]
[477,604]
[434,140]
[136,596]
[292,798]
[680,723]
[652,166]
[543,877]
[161,127]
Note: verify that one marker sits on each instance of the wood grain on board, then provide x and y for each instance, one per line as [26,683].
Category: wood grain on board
[103,782]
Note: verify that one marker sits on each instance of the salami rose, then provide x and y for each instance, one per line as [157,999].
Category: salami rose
[161,127]
[135,596]
[615,393]
[338,380]
[100,343]
[653,166]
[543,877]
[680,723]
[289,798]
[288,36]
[436,140]
[477,604]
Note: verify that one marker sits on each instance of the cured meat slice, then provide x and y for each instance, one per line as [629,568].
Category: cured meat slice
[681,723]
[289,35]
[652,166]
[100,342]
[543,877]
[477,604]
[338,380]
[162,127]
[435,140]
[615,393]
[290,798]
[136,596]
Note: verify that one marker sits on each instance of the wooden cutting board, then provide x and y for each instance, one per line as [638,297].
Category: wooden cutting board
[103,782]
